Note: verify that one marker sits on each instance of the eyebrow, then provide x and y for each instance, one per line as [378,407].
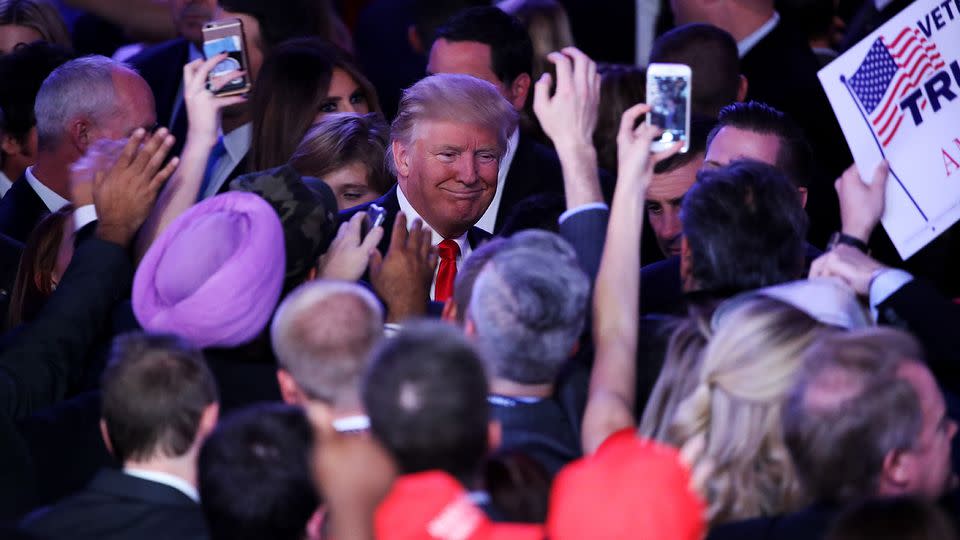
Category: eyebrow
[442,147]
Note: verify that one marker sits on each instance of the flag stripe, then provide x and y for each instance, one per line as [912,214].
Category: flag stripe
[894,132]
[896,94]
[904,32]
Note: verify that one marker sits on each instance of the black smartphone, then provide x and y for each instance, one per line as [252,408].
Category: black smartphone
[374,218]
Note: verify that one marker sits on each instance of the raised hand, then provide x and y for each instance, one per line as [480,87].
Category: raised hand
[848,264]
[402,278]
[124,194]
[635,162]
[348,255]
[203,106]
[861,204]
[569,117]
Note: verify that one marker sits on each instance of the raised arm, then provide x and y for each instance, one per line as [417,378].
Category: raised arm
[617,296]
[203,117]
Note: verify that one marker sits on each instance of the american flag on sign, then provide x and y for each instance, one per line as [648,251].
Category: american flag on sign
[890,72]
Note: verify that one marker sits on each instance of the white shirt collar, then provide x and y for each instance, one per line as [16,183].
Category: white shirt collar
[489,218]
[175,482]
[5,184]
[51,199]
[436,238]
[749,42]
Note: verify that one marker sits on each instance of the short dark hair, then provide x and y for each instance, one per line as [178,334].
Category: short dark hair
[794,156]
[296,18]
[22,72]
[848,409]
[700,127]
[426,394]
[745,227]
[254,475]
[155,389]
[621,86]
[714,61]
[511,50]
[428,15]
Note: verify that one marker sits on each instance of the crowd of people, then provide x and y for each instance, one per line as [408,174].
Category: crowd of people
[429,279]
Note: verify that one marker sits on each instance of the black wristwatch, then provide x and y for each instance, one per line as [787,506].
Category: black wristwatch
[852,241]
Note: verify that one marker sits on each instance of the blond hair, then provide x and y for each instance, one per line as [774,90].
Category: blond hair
[729,428]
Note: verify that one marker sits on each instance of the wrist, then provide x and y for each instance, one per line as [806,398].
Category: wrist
[846,238]
[116,234]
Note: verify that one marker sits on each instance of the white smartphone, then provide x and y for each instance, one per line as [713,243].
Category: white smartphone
[668,95]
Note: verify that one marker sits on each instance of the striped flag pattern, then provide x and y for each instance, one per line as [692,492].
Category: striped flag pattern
[888,73]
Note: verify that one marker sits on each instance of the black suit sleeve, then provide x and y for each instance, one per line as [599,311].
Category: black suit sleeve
[934,320]
[586,230]
[39,365]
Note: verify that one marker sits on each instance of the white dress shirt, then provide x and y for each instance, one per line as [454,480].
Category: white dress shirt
[489,218]
[749,42]
[51,199]
[5,184]
[237,144]
[436,238]
[175,482]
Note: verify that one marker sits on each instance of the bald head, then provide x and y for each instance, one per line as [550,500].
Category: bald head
[322,334]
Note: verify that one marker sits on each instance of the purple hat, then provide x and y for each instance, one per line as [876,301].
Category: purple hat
[214,276]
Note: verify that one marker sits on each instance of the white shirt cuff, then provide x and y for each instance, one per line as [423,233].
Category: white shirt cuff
[885,284]
[391,329]
[582,208]
[84,216]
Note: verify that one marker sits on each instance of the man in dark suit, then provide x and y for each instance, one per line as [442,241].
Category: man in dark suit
[162,65]
[864,419]
[159,404]
[446,145]
[488,44]
[528,308]
[82,101]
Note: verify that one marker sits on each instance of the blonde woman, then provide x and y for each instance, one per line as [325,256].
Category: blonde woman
[729,427]
[26,21]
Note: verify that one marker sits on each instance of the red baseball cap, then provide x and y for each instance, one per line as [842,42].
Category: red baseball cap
[432,505]
[630,488]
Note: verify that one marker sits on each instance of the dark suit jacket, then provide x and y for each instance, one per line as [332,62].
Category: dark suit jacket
[10,251]
[162,67]
[782,71]
[20,211]
[541,430]
[809,524]
[119,506]
[536,170]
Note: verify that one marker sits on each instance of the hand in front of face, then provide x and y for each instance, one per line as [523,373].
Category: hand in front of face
[861,204]
[349,255]
[634,159]
[850,265]
[569,118]
[100,157]
[203,106]
[124,194]
[402,278]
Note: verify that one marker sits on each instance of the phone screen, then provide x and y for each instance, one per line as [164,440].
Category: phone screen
[668,103]
[233,46]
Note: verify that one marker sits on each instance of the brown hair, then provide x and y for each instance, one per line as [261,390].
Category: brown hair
[849,409]
[621,87]
[341,139]
[39,15]
[155,390]
[35,281]
[290,89]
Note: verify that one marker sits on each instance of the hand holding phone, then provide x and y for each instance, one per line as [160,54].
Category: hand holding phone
[226,36]
[374,217]
[668,95]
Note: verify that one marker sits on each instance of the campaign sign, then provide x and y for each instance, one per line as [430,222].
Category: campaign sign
[896,95]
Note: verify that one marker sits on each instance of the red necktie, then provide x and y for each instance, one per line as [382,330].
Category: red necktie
[448,251]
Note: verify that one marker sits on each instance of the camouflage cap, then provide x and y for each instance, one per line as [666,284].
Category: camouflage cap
[307,210]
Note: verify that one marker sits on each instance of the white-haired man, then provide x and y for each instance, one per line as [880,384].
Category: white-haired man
[446,144]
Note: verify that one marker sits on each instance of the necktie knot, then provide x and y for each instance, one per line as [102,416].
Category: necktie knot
[448,250]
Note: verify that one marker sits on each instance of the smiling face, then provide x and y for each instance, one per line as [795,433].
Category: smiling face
[343,96]
[448,172]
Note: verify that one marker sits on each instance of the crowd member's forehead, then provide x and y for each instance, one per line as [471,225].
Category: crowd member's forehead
[462,57]
[732,143]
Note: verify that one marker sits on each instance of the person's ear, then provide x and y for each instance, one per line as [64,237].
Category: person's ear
[494,435]
[81,135]
[519,89]
[10,145]
[803,196]
[105,435]
[897,471]
[401,158]
[288,388]
[314,530]
[208,420]
[686,265]
[469,328]
[413,38]
[450,312]
[742,88]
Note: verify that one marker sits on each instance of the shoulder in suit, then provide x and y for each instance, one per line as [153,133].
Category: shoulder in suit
[809,524]
[117,506]
[20,210]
